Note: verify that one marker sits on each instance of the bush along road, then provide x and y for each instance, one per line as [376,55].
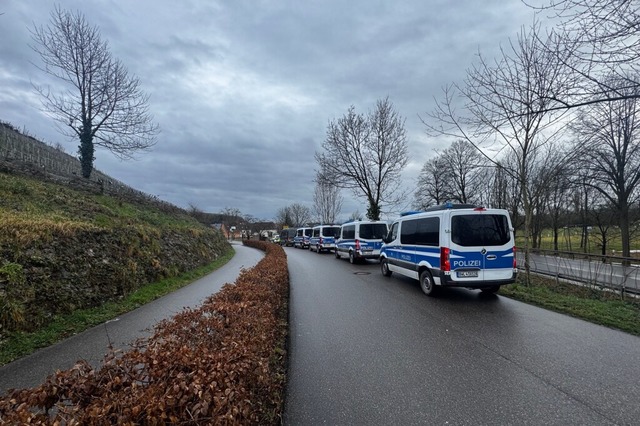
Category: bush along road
[220,363]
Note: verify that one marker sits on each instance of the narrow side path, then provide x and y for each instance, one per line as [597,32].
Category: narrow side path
[92,344]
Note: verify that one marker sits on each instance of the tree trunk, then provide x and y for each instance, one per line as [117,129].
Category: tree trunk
[624,230]
[86,153]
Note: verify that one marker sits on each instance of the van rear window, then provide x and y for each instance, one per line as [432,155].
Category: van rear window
[373,231]
[480,230]
[331,231]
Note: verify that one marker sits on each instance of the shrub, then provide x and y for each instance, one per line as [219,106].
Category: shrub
[222,363]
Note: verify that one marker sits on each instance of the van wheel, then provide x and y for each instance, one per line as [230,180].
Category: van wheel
[352,258]
[490,290]
[337,254]
[384,267]
[426,283]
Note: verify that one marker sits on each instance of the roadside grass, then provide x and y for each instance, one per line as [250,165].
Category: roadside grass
[19,344]
[588,303]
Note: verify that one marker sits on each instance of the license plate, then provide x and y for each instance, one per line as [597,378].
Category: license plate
[467,274]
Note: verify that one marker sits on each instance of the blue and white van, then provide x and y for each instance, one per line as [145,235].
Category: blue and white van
[452,246]
[361,240]
[301,240]
[323,238]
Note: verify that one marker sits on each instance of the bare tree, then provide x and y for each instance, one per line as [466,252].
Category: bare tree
[327,201]
[602,219]
[504,188]
[462,167]
[366,155]
[283,217]
[599,39]
[558,202]
[106,106]
[300,214]
[543,176]
[294,215]
[431,187]
[506,111]
[608,139]
[355,216]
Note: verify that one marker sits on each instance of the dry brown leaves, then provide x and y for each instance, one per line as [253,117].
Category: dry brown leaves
[223,363]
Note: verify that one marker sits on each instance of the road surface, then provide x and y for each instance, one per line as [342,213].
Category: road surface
[367,349]
[614,276]
[93,344]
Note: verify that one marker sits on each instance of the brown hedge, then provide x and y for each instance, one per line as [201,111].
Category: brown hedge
[222,363]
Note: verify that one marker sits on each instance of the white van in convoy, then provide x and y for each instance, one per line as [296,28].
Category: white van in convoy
[324,238]
[361,240]
[452,246]
[301,240]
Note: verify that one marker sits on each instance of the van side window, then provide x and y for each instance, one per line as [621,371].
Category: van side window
[408,232]
[428,231]
[349,232]
[316,232]
[480,230]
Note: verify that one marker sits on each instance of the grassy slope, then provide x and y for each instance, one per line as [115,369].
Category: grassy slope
[44,205]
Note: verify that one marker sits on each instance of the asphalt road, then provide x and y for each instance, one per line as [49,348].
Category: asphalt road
[93,344]
[366,349]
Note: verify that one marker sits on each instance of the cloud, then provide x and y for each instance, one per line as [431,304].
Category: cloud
[243,90]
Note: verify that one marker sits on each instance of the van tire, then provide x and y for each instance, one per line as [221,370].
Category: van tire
[337,253]
[426,283]
[352,258]
[384,267]
[490,290]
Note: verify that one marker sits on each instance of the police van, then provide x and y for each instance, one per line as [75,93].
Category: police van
[286,236]
[323,238]
[453,245]
[361,240]
[301,240]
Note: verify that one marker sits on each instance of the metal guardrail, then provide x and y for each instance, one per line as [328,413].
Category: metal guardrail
[617,273]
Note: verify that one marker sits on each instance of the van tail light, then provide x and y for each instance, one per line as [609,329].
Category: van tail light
[445,264]
[515,264]
[357,245]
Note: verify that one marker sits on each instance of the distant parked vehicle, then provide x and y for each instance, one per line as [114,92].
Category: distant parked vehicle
[361,240]
[275,239]
[286,236]
[324,238]
[301,240]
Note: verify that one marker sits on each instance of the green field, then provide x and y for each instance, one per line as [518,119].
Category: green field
[570,240]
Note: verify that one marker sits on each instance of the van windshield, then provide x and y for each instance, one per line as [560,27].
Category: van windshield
[373,231]
[480,230]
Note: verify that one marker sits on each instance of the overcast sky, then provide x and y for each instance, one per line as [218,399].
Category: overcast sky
[243,90]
